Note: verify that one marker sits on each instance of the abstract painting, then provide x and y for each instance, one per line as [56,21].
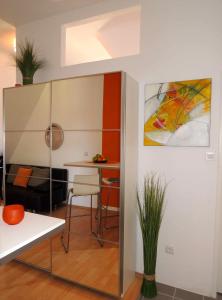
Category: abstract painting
[177,113]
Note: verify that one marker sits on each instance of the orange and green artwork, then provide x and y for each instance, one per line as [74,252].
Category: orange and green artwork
[177,113]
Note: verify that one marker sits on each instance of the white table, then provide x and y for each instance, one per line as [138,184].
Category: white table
[14,239]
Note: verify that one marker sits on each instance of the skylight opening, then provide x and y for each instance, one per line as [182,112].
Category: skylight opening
[108,36]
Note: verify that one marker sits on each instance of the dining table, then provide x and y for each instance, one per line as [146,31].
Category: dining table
[109,165]
[15,239]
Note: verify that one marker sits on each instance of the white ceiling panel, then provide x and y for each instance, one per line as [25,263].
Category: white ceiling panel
[18,12]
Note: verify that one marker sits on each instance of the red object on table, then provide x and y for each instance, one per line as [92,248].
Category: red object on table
[13,214]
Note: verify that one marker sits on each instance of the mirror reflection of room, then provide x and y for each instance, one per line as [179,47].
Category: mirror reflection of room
[88,110]
[27,158]
[27,168]
[80,120]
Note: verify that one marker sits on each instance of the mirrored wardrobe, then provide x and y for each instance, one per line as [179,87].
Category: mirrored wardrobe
[52,132]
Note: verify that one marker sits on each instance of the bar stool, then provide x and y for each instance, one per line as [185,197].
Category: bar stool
[109,181]
[84,185]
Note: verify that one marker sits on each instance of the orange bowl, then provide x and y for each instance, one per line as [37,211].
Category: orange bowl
[13,214]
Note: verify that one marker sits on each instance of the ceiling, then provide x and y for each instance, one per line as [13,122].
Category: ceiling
[18,12]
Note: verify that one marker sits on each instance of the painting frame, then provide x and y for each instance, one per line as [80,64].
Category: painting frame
[178,113]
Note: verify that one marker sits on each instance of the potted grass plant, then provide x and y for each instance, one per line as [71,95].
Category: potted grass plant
[27,61]
[150,203]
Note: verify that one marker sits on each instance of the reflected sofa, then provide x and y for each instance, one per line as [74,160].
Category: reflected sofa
[36,197]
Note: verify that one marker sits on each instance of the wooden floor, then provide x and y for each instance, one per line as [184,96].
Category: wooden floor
[19,282]
[86,262]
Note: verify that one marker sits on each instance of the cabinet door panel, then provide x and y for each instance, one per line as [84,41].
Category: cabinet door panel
[87,263]
[82,219]
[38,255]
[27,107]
[78,103]
[77,146]
[26,147]
[27,150]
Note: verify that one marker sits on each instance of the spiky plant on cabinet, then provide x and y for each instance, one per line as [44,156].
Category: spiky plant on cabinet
[27,61]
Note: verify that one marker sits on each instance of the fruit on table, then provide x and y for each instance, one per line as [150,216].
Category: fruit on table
[99,157]
[13,214]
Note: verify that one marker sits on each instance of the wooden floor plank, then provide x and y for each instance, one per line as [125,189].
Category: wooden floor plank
[20,282]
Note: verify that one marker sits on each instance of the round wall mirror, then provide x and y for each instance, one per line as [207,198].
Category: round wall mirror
[57,136]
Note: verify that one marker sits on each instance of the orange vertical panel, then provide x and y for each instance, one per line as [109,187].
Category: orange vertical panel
[111,139]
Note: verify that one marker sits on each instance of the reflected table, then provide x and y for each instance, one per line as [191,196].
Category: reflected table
[100,167]
[14,239]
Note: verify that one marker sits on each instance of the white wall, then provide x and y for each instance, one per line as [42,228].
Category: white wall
[179,40]
[104,35]
[7,70]
[7,78]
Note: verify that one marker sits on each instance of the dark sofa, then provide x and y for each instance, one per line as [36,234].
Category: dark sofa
[38,198]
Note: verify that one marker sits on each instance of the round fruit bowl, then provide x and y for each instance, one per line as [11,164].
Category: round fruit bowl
[13,214]
[100,161]
[99,158]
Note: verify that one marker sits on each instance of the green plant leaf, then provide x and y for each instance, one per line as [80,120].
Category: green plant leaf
[27,60]
[150,206]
